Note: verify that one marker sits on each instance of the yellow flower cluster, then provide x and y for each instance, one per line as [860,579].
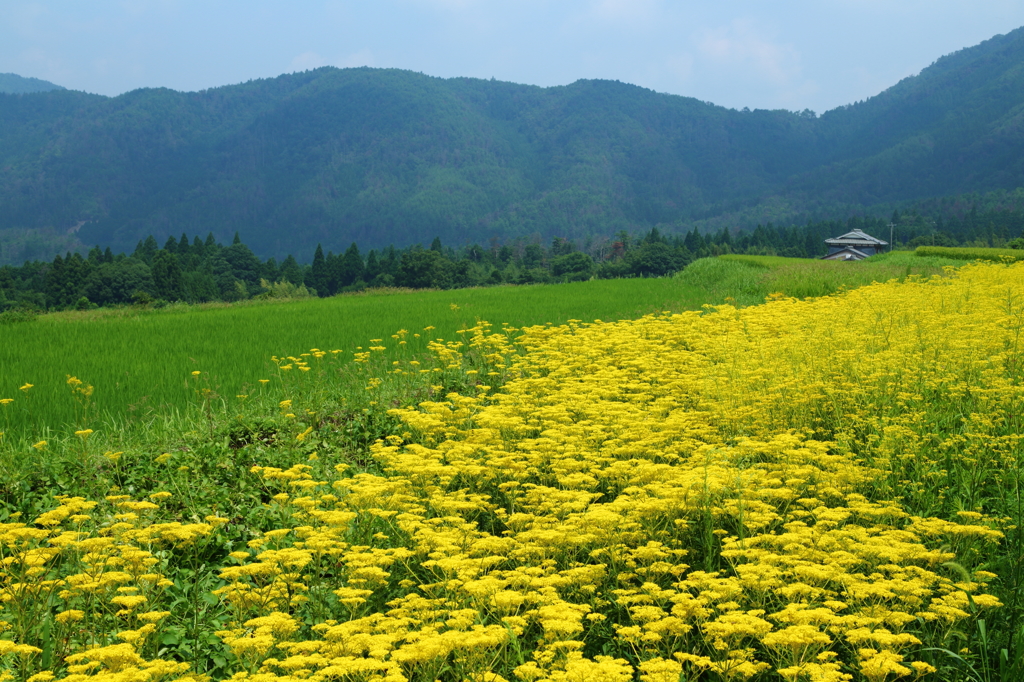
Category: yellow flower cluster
[686,492]
[77,386]
[80,588]
[301,362]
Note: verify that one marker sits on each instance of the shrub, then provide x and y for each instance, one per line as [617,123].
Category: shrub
[15,315]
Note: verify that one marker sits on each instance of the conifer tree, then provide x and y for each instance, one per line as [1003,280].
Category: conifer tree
[168,280]
[333,264]
[318,275]
[350,267]
[372,268]
[146,250]
[76,270]
[55,282]
[290,270]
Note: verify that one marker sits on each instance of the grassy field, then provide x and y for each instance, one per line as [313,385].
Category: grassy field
[140,361]
[749,280]
[971,253]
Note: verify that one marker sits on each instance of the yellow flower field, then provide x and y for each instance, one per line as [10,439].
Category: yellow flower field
[801,490]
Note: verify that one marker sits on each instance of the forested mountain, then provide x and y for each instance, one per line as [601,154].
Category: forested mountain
[378,157]
[956,127]
[14,84]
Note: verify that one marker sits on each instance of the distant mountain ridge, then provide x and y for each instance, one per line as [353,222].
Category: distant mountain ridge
[381,156]
[13,84]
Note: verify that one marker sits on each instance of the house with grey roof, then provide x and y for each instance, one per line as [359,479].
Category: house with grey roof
[855,245]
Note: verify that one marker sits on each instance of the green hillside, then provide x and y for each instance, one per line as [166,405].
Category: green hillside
[14,84]
[377,157]
[956,127]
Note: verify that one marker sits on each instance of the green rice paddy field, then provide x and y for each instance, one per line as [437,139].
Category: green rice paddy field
[140,362]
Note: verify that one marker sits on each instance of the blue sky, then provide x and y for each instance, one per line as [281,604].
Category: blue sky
[814,54]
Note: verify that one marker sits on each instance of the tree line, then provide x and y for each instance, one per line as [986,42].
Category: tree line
[198,270]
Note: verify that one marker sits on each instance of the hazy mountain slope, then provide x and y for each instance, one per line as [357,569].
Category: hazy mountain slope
[388,156]
[14,84]
[958,126]
[381,156]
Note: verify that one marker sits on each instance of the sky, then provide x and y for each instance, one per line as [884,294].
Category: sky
[786,54]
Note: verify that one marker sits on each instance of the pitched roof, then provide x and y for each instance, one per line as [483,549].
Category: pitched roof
[849,253]
[855,238]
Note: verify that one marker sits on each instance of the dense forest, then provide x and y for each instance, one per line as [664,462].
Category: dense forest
[383,156]
[199,270]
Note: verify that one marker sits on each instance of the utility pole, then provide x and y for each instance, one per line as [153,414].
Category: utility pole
[892,226]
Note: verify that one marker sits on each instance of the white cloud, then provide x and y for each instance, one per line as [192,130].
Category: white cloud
[312,60]
[139,8]
[741,45]
[448,5]
[361,58]
[44,64]
[307,60]
[625,11]
[680,66]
